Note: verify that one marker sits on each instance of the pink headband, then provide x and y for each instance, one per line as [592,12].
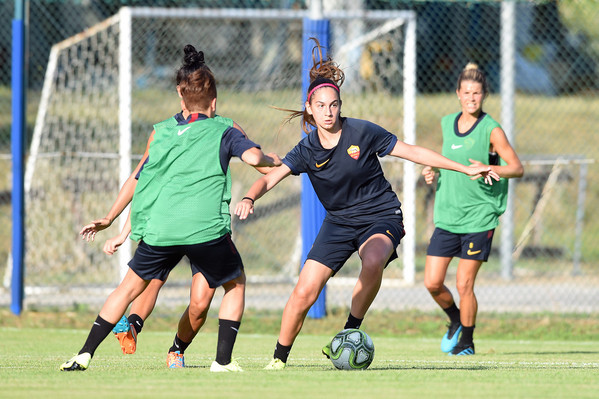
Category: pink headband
[319,86]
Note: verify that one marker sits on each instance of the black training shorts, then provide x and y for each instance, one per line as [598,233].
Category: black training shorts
[218,260]
[335,243]
[476,246]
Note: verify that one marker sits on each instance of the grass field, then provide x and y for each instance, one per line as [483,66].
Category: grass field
[403,368]
[525,356]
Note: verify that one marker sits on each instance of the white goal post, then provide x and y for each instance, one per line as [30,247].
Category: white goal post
[88,124]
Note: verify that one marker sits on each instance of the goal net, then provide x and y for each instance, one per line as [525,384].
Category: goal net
[107,86]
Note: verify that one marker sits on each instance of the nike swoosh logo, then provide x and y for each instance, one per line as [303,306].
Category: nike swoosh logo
[388,232]
[180,132]
[455,147]
[469,252]
[319,165]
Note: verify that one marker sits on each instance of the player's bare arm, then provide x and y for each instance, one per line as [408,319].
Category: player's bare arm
[424,156]
[260,187]
[255,157]
[89,231]
[502,146]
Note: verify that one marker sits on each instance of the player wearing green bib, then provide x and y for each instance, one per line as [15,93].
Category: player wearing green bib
[463,205]
[466,211]
[166,209]
[187,167]
[128,328]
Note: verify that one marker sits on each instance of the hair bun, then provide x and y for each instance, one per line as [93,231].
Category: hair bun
[470,65]
[193,57]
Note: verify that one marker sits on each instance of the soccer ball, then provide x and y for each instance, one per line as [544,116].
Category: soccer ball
[352,349]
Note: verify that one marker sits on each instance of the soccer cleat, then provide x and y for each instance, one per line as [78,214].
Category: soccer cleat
[326,350]
[462,350]
[77,362]
[127,336]
[175,360]
[275,364]
[122,326]
[231,367]
[450,339]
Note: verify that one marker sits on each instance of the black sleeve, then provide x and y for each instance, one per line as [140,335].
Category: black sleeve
[234,143]
[142,168]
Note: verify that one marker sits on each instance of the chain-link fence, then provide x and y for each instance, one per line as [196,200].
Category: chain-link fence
[258,64]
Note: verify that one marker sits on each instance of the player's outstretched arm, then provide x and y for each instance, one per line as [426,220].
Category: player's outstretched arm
[262,169]
[89,231]
[260,187]
[424,156]
[256,158]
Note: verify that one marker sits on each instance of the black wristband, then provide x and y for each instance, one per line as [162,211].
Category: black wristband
[248,198]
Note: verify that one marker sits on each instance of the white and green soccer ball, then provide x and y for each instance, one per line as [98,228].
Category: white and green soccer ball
[352,349]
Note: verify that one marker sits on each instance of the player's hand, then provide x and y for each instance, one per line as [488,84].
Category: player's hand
[244,208]
[275,158]
[429,174]
[478,170]
[112,244]
[88,232]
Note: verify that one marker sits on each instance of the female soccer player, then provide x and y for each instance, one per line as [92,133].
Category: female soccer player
[128,328]
[177,210]
[466,212]
[340,156]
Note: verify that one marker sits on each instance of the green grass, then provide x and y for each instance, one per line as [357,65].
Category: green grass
[404,367]
[518,356]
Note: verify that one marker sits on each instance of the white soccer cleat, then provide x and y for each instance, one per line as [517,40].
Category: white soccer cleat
[227,368]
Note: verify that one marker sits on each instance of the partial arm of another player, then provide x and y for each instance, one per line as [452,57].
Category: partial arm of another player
[424,156]
[502,146]
[262,169]
[256,158]
[260,187]
[89,231]
[112,244]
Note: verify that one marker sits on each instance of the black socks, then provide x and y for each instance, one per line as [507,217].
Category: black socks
[178,345]
[100,330]
[353,322]
[454,313]
[227,333]
[137,322]
[282,352]
[467,333]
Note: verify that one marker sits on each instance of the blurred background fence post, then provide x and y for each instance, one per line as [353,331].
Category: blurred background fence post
[313,212]
[508,63]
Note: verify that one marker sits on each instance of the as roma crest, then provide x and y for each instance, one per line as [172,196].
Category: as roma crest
[354,151]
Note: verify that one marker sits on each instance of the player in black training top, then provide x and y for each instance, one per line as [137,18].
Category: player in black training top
[340,156]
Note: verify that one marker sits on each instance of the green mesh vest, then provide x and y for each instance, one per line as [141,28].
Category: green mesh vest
[182,195]
[463,205]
